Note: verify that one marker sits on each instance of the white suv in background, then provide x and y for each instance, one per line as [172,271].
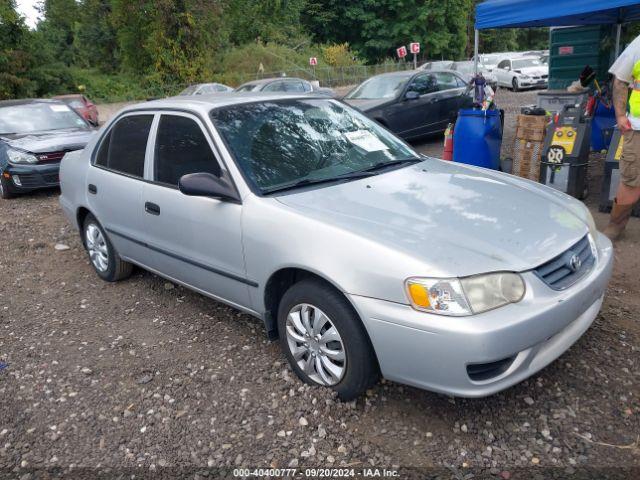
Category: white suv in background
[523,72]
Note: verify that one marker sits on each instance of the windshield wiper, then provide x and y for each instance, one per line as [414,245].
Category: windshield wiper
[392,163]
[315,181]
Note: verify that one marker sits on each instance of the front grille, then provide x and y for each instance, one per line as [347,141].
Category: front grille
[545,76]
[50,157]
[51,178]
[567,268]
[35,180]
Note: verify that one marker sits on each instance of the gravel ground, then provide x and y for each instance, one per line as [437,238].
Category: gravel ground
[143,378]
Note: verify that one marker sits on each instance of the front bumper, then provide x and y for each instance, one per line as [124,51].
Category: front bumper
[530,82]
[25,178]
[434,352]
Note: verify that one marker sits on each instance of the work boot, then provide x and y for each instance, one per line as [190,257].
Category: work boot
[620,215]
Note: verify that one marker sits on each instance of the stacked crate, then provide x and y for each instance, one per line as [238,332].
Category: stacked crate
[527,150]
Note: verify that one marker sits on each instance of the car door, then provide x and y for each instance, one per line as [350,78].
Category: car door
[503,73]
[451,98]
[416,115]
[193,240]
[115,181]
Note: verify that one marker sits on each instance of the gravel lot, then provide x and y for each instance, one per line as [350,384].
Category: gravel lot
[146,378]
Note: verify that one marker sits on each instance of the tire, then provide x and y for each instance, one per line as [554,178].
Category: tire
[359,369]
[106,261]
[514,84]
[4,189]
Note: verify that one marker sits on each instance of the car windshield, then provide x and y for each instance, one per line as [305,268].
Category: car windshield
[526,62]
[189,90]
[38,117]
[489,61]
[286,143]
[383,86]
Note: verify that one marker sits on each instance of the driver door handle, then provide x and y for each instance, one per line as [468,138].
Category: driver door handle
[152,208]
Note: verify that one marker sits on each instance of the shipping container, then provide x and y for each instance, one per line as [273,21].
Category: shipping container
[572,48]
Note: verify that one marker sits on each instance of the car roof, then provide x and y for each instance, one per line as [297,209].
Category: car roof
[27,101]
[205,103]
[262,81]
[68,95]
[411,73]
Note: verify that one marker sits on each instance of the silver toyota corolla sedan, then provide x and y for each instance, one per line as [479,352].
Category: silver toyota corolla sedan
[363,257]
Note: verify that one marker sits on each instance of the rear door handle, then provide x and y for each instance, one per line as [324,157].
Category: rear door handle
[152,208]
[92,188]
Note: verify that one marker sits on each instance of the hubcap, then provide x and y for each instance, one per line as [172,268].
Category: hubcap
[315,344]
[97,248]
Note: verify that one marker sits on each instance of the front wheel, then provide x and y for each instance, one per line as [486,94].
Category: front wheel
[324,339]
[515,84]
[4,189]
[104,258]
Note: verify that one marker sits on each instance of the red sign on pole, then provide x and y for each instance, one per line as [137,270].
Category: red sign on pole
[402,52]
[414,47]
[313,61]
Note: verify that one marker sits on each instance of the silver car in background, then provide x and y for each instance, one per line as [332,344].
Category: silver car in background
[361,256]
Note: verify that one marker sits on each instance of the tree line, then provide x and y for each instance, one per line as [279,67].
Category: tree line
[123,48]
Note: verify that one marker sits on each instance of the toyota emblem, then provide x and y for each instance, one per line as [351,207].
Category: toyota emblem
[575,263]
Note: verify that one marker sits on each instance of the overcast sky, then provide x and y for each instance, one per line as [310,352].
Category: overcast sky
[28,11]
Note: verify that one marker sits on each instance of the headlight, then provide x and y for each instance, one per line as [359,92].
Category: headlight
[16,156]
[465,296]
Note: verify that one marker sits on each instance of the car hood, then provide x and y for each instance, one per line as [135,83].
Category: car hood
[458,220]
[366,105]
[533,71]
[50,141]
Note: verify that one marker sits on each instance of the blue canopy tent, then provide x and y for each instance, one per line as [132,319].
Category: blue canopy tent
[553,13]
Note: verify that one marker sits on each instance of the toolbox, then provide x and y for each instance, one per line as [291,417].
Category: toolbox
[611,177]
[565,155]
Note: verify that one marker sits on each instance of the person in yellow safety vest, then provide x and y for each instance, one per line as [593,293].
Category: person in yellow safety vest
[626,71]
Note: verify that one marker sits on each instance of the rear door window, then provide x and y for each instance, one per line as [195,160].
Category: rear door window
[181,148]
[293,86]
[123,149]
[274,87]
[446,81]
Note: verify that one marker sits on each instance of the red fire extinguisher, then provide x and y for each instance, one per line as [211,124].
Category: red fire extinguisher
[447,154]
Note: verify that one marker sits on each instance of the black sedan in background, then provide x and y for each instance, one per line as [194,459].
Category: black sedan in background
[34,136]
[412,103]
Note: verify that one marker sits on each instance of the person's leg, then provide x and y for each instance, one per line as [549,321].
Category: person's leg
[627,195]
[629,189]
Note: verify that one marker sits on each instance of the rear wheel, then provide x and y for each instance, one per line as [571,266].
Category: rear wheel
[515,84]
[4,189]
[103,256]
[324,339]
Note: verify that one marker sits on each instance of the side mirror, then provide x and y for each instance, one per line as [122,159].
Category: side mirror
[411,95]
[207,185]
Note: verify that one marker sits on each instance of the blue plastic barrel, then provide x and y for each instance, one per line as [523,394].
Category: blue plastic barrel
[477,138]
